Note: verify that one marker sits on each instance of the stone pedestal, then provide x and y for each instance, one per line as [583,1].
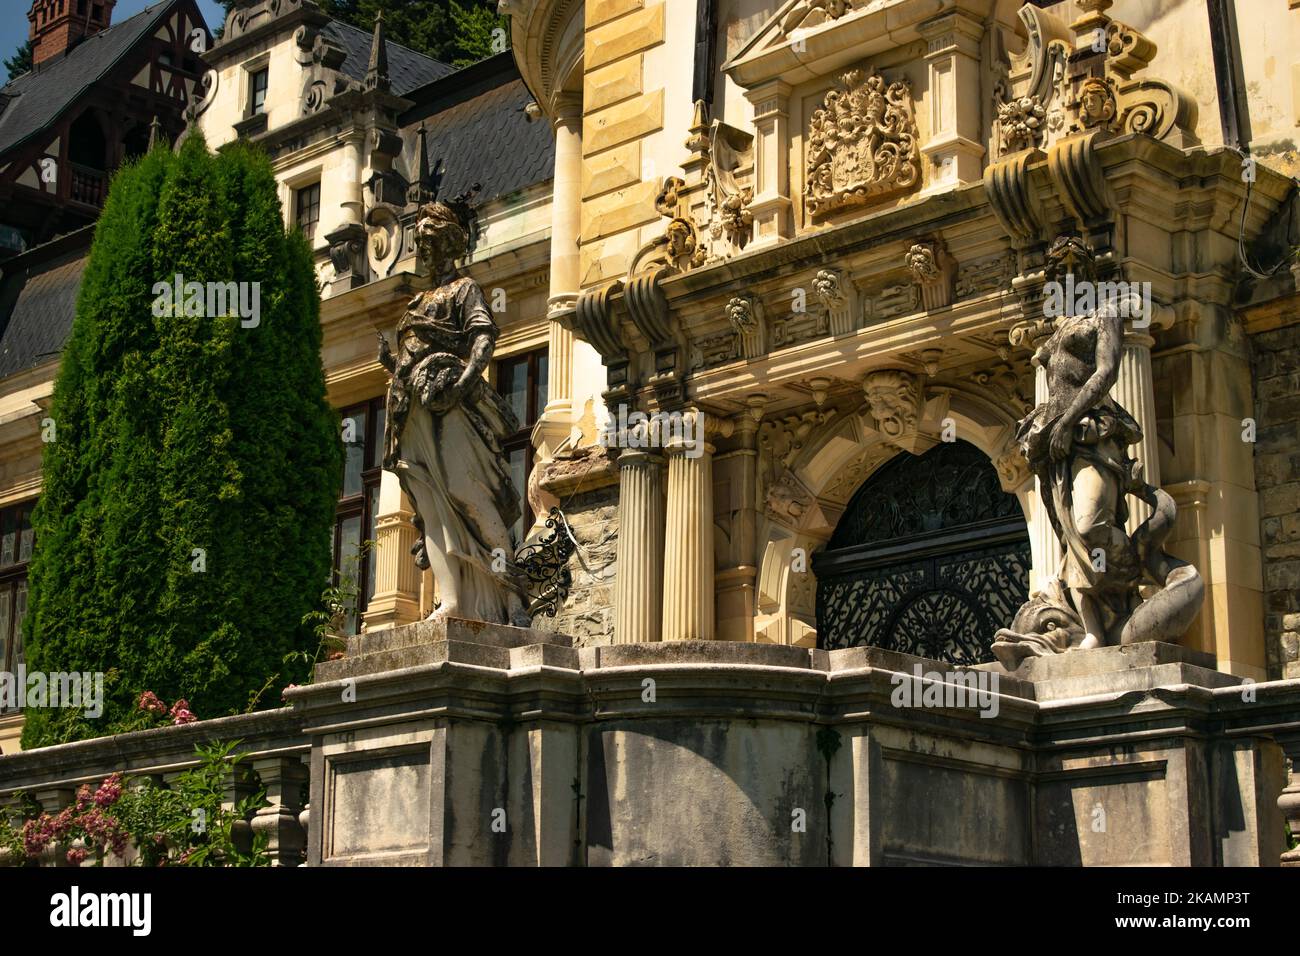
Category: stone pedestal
[466,744]
[414,742]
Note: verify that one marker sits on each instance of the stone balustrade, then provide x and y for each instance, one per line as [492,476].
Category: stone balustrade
[272,741]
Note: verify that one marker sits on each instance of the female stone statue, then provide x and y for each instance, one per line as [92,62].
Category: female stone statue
[1077,444]
[444,433]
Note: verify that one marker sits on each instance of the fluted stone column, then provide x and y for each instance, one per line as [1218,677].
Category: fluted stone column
[396,597]
[638,588]
[1135,391]
[689,611]
[1044,545]
[566,219]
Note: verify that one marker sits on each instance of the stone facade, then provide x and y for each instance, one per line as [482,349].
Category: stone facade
[1276,368]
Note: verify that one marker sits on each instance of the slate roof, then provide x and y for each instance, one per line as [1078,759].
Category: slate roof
[407,70]
[35,100]
[482,136]
[38,295]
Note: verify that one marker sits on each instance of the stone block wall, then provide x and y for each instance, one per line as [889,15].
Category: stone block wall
[584,484]
[1276,368]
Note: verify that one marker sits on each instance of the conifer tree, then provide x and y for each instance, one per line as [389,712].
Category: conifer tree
[184,527]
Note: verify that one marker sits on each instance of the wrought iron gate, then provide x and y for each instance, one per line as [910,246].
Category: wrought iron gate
[930,558]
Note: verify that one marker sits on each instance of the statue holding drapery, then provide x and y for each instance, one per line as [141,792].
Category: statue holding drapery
[444,432]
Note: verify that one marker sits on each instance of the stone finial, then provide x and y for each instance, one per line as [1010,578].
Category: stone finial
[156,133]
[377,72]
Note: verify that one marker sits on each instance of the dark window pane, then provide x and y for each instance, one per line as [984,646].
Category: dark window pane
[350,566]
[540,389]
[354,445]
[25,535]
[257,92]
[20,612]
[514,386]
[519,477]
[8,539]
[377,445]
[7,647]
[308,211]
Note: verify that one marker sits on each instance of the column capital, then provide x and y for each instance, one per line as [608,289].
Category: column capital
[1030,333]
[566,108]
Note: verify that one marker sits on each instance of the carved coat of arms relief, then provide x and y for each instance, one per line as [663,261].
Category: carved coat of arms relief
[862,144]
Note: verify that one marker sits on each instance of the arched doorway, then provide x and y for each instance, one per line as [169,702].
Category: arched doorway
[930,557]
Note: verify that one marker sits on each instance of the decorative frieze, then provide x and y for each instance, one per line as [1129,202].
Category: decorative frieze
[862,144]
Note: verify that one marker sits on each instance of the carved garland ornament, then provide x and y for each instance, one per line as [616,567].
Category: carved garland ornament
[862,143]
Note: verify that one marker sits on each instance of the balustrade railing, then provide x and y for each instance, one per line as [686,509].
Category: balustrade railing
[275,757]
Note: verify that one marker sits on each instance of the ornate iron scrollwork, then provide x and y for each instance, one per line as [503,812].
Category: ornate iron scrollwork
[545,563]
[929,554]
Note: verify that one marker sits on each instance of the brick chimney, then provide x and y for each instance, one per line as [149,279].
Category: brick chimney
[59,25]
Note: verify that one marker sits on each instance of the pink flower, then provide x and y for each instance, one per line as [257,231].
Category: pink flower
[77,855]
[109,791]
[149,701]
[181,713]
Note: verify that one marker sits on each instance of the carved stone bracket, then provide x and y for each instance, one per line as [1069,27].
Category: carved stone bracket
[934,271]
[836,294]
[744,312]
[1083,76]
[347,249]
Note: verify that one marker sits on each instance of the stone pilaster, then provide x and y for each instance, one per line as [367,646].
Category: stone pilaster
[1135,391]
[638,587]
[771,204]
[396,596]
[1044,545]
[954,148]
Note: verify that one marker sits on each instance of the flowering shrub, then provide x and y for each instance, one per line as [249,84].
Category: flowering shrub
[184,824]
